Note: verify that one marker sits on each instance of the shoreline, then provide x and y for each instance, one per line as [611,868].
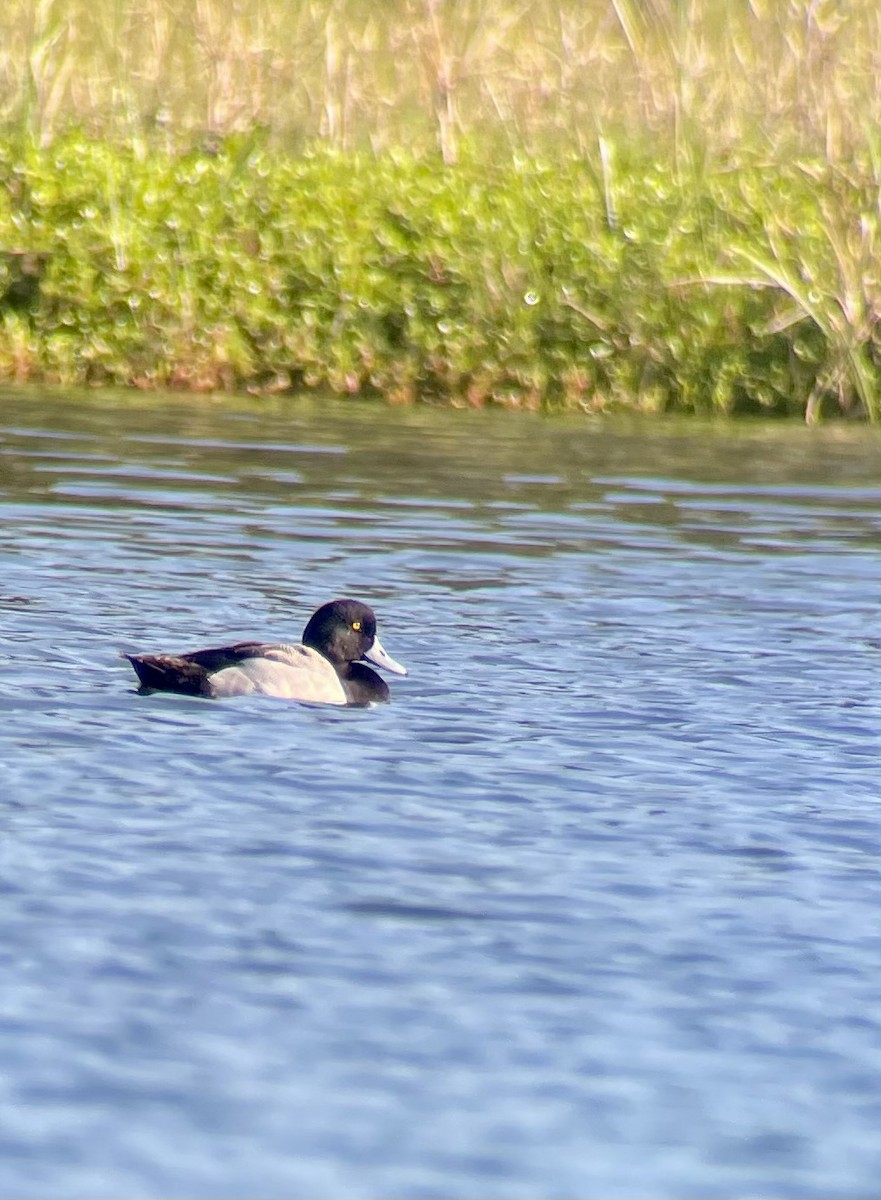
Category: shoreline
[562,283]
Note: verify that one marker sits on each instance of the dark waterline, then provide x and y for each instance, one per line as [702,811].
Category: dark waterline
[591,909]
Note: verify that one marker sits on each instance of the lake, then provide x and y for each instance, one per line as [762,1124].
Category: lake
[591,909]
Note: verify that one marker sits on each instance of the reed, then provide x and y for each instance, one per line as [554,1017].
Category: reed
[696,76]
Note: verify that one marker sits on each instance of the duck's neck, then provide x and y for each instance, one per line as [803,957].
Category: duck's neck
[362,685]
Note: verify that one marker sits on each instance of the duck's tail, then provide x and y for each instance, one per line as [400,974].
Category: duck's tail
[170,673]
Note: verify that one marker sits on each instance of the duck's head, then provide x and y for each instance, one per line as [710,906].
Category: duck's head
[344,631]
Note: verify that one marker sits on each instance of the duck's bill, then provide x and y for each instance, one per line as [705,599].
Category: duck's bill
[381,658]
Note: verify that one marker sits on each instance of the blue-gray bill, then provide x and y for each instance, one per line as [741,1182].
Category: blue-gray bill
[381,658]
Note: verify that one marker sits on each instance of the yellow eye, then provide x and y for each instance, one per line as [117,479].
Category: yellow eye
[356,624]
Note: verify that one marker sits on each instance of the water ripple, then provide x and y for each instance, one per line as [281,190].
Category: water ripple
[590,909]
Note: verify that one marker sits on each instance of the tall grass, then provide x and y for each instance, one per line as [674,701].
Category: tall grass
[782,75]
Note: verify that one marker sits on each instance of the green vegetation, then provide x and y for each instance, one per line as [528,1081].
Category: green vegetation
[653,204]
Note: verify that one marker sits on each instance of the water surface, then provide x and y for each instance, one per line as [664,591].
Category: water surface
[591,909]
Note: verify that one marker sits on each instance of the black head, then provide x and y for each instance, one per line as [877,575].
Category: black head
[343,631]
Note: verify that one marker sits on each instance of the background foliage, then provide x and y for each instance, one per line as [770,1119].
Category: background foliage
[662,203]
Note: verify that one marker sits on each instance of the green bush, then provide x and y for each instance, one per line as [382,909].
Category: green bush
[505,278]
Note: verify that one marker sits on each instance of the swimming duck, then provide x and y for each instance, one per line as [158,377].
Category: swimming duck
[327,668]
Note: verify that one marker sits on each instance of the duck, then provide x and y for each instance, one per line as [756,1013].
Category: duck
[329,666]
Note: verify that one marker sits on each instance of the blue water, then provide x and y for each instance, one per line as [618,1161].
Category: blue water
[591,909]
